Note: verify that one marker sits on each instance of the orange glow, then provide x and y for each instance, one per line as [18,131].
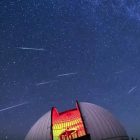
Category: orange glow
[67,125]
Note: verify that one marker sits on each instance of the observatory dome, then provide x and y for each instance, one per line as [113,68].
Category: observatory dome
[86,122]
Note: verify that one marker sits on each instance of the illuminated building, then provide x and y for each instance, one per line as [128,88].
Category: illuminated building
[85,122]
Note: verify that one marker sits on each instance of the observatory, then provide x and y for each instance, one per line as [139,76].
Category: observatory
[85,122]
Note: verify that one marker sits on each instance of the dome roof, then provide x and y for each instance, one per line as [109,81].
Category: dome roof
[41,129]
[99,123]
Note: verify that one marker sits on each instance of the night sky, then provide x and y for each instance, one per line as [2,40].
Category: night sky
[53,52]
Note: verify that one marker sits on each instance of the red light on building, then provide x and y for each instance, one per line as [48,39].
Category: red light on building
[67,125]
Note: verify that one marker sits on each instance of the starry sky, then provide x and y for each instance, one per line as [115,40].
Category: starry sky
[53,52]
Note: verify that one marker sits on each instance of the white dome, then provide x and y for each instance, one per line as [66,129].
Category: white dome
[41,129]
[99,123]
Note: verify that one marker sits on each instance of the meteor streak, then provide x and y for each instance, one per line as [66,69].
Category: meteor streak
[132,89]
[118,72]
[66,74]
[47,82]
[14,106]
[34,49]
